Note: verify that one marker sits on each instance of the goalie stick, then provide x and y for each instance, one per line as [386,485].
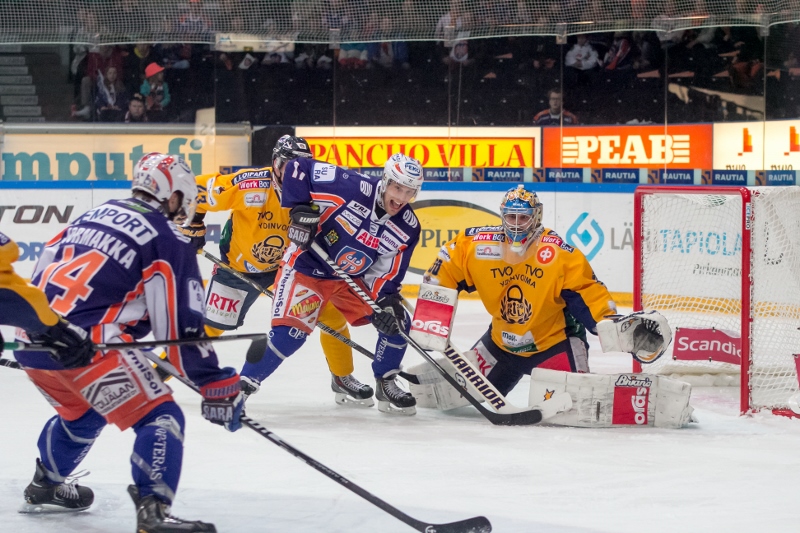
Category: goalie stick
[411,378]
[521,418]
[477,524]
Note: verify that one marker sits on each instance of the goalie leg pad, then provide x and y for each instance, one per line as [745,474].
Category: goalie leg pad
[615,400]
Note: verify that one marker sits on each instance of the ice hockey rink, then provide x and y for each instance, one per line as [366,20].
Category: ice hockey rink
[726,474]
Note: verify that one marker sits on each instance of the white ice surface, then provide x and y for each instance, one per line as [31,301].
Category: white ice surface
[727,474]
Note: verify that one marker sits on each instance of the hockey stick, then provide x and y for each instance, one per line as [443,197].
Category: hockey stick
[258,344]
[478,524]
[521,418]
[466,372]
[411,378]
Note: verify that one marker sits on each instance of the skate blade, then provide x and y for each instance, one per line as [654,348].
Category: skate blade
[43,508]
[348,401]
[387,407]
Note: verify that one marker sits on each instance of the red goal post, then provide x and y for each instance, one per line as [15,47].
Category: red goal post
[722,264]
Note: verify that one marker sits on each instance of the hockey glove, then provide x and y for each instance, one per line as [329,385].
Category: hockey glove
[303,226]
[73,347]
[196,231]
[644,334]
[223,401]
[388,321]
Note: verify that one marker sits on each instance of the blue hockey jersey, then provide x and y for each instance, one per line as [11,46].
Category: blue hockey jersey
[122,271]
[376,250]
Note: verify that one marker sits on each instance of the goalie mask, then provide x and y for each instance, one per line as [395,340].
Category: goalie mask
[521,212]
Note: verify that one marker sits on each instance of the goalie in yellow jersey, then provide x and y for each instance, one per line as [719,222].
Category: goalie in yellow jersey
[532,283]
[252,243]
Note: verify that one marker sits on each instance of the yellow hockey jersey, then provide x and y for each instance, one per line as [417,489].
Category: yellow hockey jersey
[254,237]
[21,304]
[527,299]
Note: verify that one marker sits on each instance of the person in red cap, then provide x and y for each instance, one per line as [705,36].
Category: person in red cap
[156,92]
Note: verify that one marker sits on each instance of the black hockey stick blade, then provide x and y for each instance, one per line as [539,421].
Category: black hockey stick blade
[257,349]
[479,524]
[10,364]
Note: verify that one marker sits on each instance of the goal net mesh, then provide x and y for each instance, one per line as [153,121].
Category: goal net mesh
[312,21]
[691,271]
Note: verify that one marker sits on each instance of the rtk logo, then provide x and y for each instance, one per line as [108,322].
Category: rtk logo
[586,236]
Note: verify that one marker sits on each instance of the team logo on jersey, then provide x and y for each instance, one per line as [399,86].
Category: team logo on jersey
[353,261]
[269,250]
[410,218]
[514,308]
[370,241]
[305,307]
[110,391]
[366,188]
[331,237]
[545,254]
[345,224]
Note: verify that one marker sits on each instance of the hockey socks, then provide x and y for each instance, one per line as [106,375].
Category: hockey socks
[158,452]
[63,444]
[283,342]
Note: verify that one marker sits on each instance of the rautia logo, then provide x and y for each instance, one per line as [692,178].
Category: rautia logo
[586,235]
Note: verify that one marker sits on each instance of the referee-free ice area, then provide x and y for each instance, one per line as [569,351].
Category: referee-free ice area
[726,474]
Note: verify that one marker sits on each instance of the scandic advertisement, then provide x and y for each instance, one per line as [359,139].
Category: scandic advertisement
[679,147]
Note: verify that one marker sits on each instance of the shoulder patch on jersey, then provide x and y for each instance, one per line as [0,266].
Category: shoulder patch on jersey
[251,174]
[489,237]
[197,297]
[478,229]
[410,218]
[366,188]
[4,239]
[323,173]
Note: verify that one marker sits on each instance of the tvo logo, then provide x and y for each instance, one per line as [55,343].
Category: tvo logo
[432,326]
[586,235]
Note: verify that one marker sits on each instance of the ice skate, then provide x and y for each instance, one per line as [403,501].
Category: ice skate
[152,516]
[350,391]
[44,496]
[393,399]
[249,386]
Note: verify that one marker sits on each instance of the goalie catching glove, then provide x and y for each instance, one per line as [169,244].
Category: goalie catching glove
[644,334]
[304,223]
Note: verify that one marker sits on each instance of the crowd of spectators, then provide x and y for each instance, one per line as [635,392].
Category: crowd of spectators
[601,78]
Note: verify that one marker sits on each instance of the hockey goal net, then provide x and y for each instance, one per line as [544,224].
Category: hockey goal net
[722,264]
